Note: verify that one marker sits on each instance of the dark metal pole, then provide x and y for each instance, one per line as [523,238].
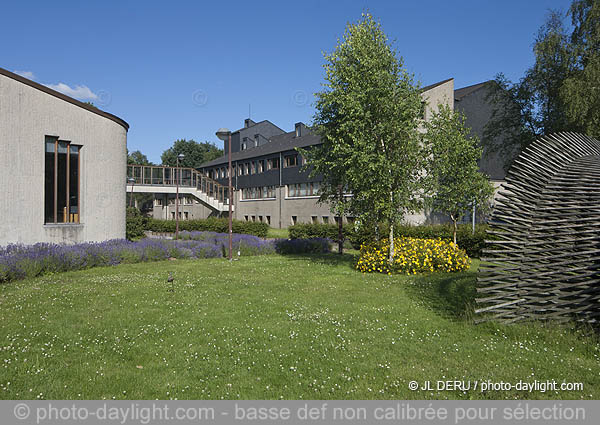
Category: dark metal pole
[230,203]
[177,201]
[131,197]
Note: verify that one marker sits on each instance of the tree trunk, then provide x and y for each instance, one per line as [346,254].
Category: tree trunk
[340,236]
[392,249]
[454,221]
[340,224]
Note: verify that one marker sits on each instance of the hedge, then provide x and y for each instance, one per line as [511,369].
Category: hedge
[471,243]
[135,224]
[317,230]
[211,224]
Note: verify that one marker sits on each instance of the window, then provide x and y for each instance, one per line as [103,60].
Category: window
[253,167]
[294,219]
[158,202]
[253,218]
[268,220]
[173,215]
[273,164]
[290,160]
[314,219]
[260,218]
[246,218]
[246,168]
[61,182]
[243,146]
[303,189]
[261,165]
[325,219]
[337,219]
[258,192]
[185,215]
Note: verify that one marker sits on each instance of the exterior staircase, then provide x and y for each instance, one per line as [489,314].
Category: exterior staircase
[160,179]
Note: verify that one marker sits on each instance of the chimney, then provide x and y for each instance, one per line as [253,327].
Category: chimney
[298,127]
[248,122]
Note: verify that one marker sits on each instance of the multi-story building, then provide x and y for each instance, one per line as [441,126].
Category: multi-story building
[268,180]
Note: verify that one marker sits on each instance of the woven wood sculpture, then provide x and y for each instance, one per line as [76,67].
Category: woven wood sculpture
[545,263]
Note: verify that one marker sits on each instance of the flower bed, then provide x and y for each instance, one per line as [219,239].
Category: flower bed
[244,244]
[20,261]
[413,255]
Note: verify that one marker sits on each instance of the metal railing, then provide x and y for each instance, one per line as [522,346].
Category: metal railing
[154,175]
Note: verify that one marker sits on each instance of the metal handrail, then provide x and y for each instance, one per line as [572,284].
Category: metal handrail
[143,175]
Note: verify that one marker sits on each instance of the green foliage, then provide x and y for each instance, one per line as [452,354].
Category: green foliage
[560,91]
[195,154]
[317,230]
[211,224]
[472,243]
[455,181]
[135,224]
[412,256]
[367,117]
[138,158]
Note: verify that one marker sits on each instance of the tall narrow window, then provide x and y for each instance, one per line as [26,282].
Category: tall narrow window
[61,182]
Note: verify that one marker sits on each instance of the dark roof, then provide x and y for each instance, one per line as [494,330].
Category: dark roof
[432,86]
[460,93]
[64,97]
[279,143]
[256,123]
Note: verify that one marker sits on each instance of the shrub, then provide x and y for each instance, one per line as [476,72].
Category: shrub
[303,246]
[211,224]
[473,244]
[413,255]
[244,244]
[135,224]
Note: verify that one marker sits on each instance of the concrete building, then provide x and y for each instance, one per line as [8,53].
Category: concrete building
[269,185]
[62,166]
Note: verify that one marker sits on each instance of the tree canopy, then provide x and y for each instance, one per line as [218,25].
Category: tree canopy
[138,158]
[455,182]
[561,90]
[368,116]
[194,153]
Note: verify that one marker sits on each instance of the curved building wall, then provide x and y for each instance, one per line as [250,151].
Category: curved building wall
[27,116]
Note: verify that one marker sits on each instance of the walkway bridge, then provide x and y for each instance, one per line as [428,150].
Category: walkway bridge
[159,179]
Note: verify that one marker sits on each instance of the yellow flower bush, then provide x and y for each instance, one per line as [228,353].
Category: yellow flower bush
[412,256]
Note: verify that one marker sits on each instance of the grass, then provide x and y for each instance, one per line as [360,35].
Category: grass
[270,327]
[277,233]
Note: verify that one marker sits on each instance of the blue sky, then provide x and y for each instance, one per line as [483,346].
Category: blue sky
[183,69]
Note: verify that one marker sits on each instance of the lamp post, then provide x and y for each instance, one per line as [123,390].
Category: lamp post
[225,134]
[179,157]
[132,181]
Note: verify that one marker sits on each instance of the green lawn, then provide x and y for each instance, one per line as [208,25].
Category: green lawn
[269,327]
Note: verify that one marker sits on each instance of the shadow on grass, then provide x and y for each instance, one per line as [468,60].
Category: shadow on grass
[451,294]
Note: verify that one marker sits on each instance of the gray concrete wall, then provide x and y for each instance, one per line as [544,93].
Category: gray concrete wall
[27,115]
[440,95]
[478,112]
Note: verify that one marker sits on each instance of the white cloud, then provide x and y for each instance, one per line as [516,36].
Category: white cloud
[79,92]
[26,74]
